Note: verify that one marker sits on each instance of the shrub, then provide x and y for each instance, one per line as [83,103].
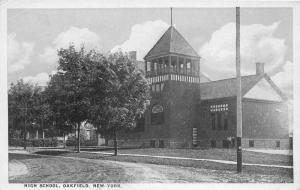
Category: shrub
[15,142]
[47,142]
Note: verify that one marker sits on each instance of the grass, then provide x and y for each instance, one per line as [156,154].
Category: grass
[217,154]
[221,154]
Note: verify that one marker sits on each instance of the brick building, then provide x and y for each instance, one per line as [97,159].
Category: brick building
[189,110]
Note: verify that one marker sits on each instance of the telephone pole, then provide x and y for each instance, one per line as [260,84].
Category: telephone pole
[239,120]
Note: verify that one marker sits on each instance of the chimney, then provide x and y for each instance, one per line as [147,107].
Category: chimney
[132,55]
[260,69]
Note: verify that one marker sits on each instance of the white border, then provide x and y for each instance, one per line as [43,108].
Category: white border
[36,4]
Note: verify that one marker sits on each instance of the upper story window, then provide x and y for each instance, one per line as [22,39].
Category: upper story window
[157,87]
[152,66]
[195,67]
[155,66]
[173,64]
[181,65]
[188,66]
[148,66]
[166,64]
[160,65]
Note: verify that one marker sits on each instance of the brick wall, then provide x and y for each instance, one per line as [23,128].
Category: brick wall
[264,122]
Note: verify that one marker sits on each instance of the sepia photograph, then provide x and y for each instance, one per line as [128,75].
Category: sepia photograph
[144,95]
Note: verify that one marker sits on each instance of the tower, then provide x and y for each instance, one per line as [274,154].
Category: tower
[172,69]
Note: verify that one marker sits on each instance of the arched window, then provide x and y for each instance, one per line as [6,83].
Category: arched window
[157,114]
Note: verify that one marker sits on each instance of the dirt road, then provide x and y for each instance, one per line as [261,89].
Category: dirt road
[47,169]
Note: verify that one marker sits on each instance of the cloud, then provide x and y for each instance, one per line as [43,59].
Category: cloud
[143,37]
[40,79]
[258,44]
[284,78]
[19,54]
[74,36]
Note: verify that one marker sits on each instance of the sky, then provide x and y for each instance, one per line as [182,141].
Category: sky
[34,35]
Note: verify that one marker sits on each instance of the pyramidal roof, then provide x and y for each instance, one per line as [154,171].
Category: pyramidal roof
[171,42]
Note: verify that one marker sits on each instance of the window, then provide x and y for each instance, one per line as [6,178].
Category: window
[166,64]
[157,88]
[219,118]
[226,143]
[152,66]
[225,119]
[188,66]
[173,64]
[88,135]
[153,87]
[195,67]
[162,87]
[213,143]
[157,114]
[155,66]
[161,144]
[181,65]
[219,113]
[152,143]
[213,121]
[148,66]
[160,65]
[277,144]
[251,143]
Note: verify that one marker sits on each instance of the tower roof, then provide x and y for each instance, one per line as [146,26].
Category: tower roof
[171,42]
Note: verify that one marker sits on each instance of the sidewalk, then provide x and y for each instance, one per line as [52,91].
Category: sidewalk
[194,159]
[271,151]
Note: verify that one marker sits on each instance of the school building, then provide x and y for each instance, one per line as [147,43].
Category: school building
[188,110]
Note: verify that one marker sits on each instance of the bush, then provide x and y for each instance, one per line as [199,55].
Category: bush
[15,142]
[47,142]
[73,142]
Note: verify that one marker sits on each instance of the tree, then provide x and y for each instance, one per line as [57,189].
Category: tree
[23,107]
[125,99]
[69,89]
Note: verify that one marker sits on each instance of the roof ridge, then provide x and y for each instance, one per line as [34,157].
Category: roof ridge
[229,79]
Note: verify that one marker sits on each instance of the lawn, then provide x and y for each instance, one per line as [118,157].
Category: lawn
[221,154]
[217,154]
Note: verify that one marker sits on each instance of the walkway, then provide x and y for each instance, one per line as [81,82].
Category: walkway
[271,151]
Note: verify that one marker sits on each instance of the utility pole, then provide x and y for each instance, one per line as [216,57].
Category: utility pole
[25,130]
[239,120]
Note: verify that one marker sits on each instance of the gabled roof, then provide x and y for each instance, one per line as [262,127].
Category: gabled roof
[227,87]
[171,42]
